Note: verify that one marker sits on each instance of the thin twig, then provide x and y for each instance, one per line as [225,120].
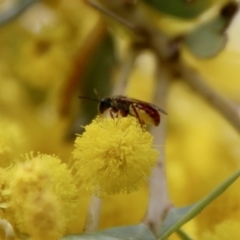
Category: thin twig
[125,70]
[226,107]
[92,219]
[159,201]
[98,6]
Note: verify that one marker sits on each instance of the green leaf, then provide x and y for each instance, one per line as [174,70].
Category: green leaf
[97,76]
[136,232]
[179,216]
[209,39]
[180,8]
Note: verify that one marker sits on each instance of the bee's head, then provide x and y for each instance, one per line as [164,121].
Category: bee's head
[104,104]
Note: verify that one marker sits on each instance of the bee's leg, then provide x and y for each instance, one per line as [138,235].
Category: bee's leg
[137,116]
[112,112]
[123,113]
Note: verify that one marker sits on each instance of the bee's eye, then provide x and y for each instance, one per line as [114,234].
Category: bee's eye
[104,104]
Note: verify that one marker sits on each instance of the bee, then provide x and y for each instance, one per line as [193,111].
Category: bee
[145,112]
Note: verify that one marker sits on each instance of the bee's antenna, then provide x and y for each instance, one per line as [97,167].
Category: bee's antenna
[93,99]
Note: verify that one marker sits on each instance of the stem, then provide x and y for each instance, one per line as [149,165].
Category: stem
[159,201]
[92,219]
[125,71]
[93,214]
[226,107]
[111,14]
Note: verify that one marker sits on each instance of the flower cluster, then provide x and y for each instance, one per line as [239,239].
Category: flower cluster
[114,155]
[42,196]
[39,194]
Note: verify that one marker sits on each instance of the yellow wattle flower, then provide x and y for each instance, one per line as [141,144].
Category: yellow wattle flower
[43,197]
[43,216]
[114,155]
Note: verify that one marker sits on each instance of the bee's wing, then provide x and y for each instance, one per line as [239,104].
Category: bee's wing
[146,104]
[158,108]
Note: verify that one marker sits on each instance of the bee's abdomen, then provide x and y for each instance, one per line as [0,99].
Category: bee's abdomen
[146,113]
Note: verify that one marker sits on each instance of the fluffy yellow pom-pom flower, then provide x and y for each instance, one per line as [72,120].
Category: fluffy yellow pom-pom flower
[114,155]
[43,197]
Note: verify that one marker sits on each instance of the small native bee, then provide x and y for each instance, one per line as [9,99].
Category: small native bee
[145,112]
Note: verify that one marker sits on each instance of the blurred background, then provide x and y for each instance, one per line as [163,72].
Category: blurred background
[53,51]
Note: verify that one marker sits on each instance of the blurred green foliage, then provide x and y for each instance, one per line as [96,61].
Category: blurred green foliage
[98,76]
[185,9]
[208,39]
